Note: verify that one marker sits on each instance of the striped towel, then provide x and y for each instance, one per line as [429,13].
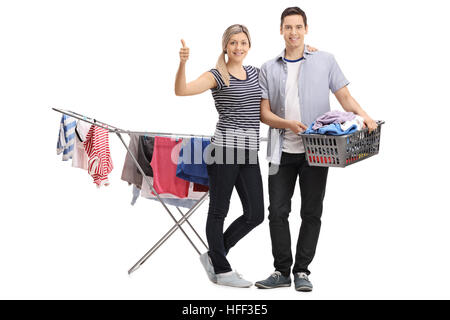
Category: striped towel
[66,139]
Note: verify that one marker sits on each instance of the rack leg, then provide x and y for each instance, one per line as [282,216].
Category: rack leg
[168,234]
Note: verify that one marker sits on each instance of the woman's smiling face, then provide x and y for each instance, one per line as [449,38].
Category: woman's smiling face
[237,47]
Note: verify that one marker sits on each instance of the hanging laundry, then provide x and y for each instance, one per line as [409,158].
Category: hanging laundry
[66,138]
[192,194]
[164,168]
[275,137]
[100,162]
[167,198]
[80,157]
[145,154]
[140,186]
[191,164]
[136,194]
[82,129]
[130,173]
[334,116]
[200,188]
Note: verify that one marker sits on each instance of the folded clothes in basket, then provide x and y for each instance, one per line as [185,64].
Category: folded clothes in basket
[338,129]
[333,116]
[333,129]
[358,121]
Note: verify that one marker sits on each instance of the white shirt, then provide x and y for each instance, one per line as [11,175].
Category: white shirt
[293,142]
[80,157]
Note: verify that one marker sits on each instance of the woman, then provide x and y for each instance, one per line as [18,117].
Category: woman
[237,97]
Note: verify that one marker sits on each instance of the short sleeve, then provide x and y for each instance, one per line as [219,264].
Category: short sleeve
[263,82]
[218,77]
[336,79]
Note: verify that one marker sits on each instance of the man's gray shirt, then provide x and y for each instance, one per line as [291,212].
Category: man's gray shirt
[318,75]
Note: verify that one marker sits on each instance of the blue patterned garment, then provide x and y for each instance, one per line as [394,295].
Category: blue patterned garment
[333,129]
[66,138]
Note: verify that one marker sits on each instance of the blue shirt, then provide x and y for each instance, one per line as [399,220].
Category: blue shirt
[191,164]
[318,75]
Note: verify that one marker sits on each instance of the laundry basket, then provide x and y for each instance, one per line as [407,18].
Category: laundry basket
[341,151]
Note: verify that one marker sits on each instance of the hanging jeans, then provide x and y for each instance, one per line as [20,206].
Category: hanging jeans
[246,178]
[313,181]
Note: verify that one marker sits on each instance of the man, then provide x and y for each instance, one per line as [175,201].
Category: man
[295,91]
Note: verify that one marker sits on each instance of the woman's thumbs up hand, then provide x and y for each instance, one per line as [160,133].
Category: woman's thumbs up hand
[184,52]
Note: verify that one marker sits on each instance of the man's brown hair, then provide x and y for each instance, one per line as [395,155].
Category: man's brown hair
[293,11]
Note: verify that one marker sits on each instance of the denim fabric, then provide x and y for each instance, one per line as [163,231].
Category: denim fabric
[312,182]
[246,178]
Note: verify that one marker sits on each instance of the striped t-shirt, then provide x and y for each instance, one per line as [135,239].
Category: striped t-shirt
[97,148]
[238,106]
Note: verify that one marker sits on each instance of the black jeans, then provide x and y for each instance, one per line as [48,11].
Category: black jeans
[313,181]
[246,178]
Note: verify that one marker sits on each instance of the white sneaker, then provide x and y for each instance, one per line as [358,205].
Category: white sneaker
[232,279]
[206,262]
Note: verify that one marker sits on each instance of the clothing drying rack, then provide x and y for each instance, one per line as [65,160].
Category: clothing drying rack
[186,215]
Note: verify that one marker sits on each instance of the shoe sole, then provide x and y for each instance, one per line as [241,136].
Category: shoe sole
[229,285]
[212,279]
[261,286]
[304,289]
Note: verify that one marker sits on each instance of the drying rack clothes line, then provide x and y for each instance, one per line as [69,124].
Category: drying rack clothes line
[186,216]
[178,223]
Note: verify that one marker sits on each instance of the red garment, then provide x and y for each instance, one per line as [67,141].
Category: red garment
[97,148]
[200,188]
[165,168]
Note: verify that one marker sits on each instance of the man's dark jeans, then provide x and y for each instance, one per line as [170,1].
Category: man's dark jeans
[281,188]
[222,179]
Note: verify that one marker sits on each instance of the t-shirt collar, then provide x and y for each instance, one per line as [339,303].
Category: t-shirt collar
[306,53]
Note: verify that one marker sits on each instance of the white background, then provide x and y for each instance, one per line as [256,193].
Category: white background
[385,227]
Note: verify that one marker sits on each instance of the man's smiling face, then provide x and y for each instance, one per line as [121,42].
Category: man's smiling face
[294,31]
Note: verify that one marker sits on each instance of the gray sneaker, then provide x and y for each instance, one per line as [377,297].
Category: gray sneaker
[276,280]
[206,262]
[302,282]
[232,279]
